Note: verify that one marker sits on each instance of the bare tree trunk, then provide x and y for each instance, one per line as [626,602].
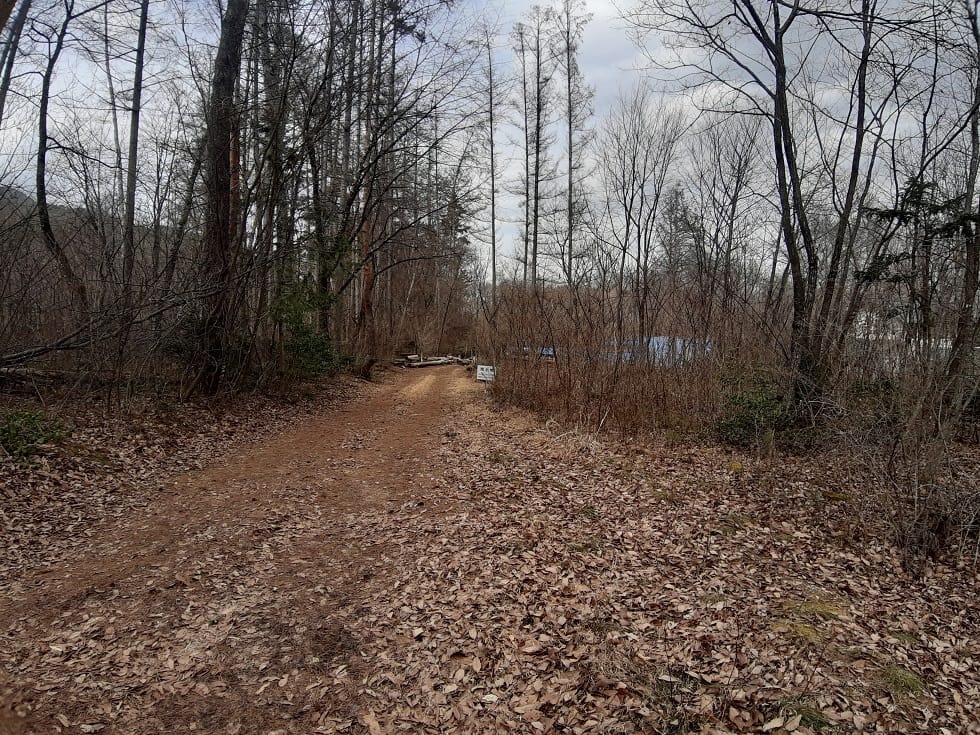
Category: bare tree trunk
[522,51]
[220,226]
[129,236]
[493,181]
[51,242]
[129,217]
[113,109]
[10,48]
[577,100]
[366,321]
[540,81]
[967,324]
[180,232]
[823,339]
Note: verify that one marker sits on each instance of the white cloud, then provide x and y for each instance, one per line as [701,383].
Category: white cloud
[609,58]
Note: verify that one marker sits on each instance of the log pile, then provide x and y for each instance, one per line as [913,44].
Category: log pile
[416,361]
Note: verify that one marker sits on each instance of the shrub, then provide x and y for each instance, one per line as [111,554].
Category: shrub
[23,432]
[754,412]
[934,494]
[189,340]
[312,354]
[308,353]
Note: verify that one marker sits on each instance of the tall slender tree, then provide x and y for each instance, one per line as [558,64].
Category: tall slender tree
[532,42]
[220,226]
[571,20]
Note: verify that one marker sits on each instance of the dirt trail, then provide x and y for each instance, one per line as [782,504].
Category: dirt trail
[181,586]
[423,561]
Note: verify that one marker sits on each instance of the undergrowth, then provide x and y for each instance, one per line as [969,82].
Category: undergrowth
[754,411]
[23,433]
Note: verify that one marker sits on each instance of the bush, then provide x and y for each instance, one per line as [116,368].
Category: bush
[754,412]
[970,421]
[308,354]
[189,340]
[23,432]
[312,354]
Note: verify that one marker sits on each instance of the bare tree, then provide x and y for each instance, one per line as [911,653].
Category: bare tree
[536,69]
[763,55]
[272,195]
[56,37]
[491,132]
[577,98]
[9,52]
[638,146]
[220,226]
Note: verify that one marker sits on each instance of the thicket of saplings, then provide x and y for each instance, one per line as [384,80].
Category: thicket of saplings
[159,365]
[687,371]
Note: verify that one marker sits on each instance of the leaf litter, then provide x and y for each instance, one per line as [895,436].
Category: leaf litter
[446,566]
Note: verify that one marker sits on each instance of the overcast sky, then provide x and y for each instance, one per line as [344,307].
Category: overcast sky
[608,59]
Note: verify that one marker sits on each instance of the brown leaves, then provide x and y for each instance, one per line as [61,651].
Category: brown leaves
[111,466]
[525,582]
[601,605]
[371,723]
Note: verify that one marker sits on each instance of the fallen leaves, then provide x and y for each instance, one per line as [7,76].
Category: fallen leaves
[111,466]
[371,723]
[518,581]
[601,607]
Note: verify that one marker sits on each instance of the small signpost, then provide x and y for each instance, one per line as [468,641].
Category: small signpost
[486,373]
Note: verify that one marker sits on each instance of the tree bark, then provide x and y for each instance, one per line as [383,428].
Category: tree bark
[10,50]
[219,227]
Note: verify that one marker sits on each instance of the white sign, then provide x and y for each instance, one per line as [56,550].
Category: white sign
[486,373]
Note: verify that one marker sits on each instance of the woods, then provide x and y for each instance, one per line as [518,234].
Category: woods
[718,263]
[769,236]
[778,242]
[238,195]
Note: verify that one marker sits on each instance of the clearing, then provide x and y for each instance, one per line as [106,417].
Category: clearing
[416,560]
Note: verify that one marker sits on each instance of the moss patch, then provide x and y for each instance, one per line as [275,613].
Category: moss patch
[899,681]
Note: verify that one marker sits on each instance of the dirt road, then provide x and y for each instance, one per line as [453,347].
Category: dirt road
[235,573]
[421,561]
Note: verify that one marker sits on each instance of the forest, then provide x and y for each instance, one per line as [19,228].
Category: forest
[771,233]
[724,256]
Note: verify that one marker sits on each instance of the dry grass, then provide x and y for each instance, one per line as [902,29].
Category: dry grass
[899,681]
